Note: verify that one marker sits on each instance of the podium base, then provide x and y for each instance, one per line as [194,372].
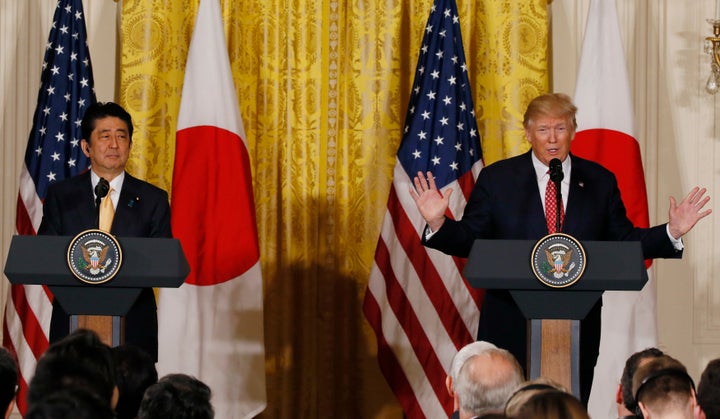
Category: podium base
[108,328]
[554,352]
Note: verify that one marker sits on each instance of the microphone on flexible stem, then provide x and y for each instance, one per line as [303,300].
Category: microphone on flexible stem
[556,176]
[101,190]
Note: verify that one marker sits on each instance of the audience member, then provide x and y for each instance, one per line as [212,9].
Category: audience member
[485,382]
[177,396]
[552,405]
[626,404]
[529,389]
[663,389]
[135,372]
[77,362]
[70,404]
[8,381]
[708,392]
[471,349]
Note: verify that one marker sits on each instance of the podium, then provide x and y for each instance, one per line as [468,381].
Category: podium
[555,313]
[147,263]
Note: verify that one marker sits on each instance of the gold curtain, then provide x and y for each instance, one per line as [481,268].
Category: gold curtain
[323,88]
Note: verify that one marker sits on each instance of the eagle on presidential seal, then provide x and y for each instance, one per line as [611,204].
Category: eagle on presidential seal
[95,255]
[559,262]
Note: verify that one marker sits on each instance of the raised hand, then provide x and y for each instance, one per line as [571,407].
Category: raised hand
[429,200]
[682,217]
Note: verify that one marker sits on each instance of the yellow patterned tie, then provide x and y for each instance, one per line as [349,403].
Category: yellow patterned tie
[107,212]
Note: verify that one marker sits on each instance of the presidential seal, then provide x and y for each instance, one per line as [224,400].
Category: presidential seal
[558,260]
[94,256]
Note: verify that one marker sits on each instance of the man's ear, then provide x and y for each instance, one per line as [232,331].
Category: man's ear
[618,395]
[644,410]
[85,146]
[448,385]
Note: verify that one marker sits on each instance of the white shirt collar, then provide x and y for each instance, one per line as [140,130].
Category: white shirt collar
[115,184]
[541,170]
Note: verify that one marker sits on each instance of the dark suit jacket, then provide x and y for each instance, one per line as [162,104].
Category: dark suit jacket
[142,211]
[505,204]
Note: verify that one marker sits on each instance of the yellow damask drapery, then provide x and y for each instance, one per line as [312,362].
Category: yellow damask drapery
[323,88]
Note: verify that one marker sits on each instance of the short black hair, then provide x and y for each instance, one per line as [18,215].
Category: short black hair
[78,361]
[70,404]
[102,110]
[135,371]
[708,390]
[8,377]
[177,396]
[631,366]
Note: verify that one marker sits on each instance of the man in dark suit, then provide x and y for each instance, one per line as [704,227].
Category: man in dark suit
[508,202]
[141,210]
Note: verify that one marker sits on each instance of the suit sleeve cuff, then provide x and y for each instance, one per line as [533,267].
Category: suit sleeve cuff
[677,243]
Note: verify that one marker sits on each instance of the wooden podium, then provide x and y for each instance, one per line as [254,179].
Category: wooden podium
[147,263]
[555,313]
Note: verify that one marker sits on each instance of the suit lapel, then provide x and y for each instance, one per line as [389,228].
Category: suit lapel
[577,197]
[124,213]
[85,194]
[527,186]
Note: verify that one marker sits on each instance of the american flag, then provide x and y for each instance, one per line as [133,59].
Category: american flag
[53,153]
[417,302]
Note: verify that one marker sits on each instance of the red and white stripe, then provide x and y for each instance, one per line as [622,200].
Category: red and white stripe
[419,304]
[606,135]
[27,314]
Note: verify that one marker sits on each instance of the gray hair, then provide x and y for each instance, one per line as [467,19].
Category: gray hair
[465,353]
[486,381]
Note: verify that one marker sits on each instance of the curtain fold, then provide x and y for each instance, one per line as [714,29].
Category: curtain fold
[323,87]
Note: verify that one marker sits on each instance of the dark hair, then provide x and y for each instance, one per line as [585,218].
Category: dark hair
[552,405]
[662,382]
[527,391]
[79,361]
[177,396]
[135,372]
[70,404]
[708,390]
[631,365]
[8,378]
[102,110]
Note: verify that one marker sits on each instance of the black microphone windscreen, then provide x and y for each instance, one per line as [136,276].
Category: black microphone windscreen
[102,188]
[556,172]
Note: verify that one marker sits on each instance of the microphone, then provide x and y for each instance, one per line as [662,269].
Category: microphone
[556,172]
[103,187]
[101,190]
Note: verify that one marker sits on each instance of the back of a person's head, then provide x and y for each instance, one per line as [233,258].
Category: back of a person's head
[467,351]
[80,361]
[552,405]
[631,365]
[177,396]
[708,390]
[527,390]
[135,371]
[486,381]
[8,378]
[662,386]
[70,404]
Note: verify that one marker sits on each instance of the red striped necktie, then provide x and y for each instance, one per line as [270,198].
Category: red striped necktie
[551,208]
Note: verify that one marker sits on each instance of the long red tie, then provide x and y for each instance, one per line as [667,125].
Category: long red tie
[551,208]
